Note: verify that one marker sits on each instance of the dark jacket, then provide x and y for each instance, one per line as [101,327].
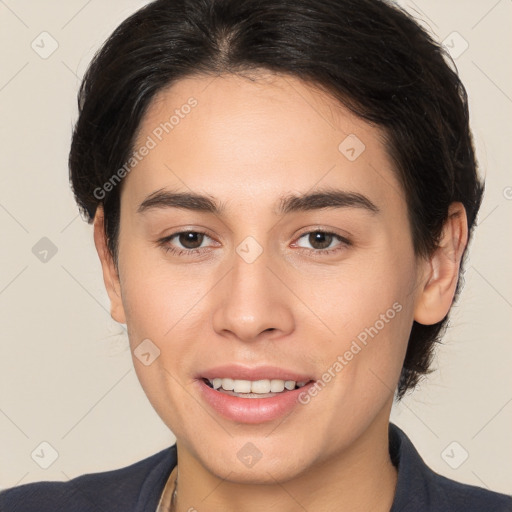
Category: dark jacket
[137,488]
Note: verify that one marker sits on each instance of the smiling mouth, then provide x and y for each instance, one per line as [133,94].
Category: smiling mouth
[264,388]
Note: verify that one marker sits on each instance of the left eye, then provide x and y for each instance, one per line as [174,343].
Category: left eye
[321,240]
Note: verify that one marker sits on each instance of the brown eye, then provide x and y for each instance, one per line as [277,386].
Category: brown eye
[320,240]
[190,239]
[184,243]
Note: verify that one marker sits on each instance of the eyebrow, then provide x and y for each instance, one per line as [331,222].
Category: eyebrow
[325,198]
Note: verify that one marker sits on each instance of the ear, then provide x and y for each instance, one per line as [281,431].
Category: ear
[110,274]
[442,269]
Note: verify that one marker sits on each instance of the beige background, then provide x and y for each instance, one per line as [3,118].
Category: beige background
[66,374]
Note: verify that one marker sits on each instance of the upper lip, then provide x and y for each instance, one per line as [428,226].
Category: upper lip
[240,372]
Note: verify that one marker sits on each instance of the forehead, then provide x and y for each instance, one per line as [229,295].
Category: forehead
[254,138]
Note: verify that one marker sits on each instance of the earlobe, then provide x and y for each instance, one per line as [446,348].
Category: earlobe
[110,273]
[440,282]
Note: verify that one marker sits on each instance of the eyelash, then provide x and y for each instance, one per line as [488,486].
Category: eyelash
[164,243]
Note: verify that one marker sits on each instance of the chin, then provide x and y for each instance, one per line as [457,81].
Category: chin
[262,472]
[254,460]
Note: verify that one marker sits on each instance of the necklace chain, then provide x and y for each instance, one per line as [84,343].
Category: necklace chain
[173,498]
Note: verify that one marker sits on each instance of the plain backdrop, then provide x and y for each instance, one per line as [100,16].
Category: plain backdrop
[66,374]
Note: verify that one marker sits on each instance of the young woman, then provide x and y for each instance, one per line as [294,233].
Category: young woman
[282,195]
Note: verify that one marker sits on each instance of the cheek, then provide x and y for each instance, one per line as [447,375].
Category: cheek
[156,295]
[367,314]
[166,305]
[162,311]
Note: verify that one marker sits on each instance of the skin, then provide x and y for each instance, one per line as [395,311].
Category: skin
[247,143]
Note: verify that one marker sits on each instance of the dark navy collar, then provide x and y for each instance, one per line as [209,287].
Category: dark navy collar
[419,489]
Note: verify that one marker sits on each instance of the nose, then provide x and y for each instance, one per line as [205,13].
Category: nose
[252,302]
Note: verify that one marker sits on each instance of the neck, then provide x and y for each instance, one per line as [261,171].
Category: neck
[358,479]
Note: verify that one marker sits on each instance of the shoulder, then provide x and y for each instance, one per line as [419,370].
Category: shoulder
[419,489]
[126,489]
[468,498]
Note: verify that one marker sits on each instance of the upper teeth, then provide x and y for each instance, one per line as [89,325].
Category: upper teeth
[255,386]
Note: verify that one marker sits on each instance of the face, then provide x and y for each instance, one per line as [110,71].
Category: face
[250,284]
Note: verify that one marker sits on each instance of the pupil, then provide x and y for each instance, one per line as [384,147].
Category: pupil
[187,239]
[317,237]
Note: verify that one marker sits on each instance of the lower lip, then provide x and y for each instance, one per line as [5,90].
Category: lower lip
[251,410]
